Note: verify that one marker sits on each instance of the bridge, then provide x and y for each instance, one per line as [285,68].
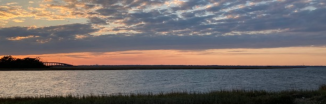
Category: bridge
[56,64]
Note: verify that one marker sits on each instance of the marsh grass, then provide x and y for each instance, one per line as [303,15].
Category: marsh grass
[216,97]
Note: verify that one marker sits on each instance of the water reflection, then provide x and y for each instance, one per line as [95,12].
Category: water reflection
[36,83]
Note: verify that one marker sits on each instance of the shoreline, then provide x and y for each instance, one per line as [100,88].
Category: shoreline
[152,67]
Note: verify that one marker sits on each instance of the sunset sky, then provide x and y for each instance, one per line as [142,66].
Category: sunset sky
[165,32]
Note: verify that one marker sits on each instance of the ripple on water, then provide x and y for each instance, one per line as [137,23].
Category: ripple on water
[42,83]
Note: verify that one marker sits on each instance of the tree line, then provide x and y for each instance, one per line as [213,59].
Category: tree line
[11,62]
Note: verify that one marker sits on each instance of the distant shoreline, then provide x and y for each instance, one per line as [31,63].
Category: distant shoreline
[151,67]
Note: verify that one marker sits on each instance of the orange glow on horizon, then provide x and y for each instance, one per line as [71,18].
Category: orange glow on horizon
[270,56]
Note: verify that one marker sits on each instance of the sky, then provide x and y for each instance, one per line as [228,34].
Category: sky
[165,32]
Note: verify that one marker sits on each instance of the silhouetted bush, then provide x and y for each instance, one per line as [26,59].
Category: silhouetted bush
[11,62]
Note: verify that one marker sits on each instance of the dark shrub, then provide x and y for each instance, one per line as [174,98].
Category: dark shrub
[11,62]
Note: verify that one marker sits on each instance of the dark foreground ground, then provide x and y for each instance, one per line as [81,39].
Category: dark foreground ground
[218,97]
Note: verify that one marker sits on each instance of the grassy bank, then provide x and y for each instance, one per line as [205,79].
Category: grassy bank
[218,97]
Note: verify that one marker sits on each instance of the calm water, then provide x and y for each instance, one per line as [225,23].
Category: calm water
[36,83]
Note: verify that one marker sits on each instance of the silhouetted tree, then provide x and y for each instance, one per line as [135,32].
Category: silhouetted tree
[7,59]
[11,62]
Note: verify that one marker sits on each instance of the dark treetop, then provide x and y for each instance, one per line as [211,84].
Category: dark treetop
[11,62]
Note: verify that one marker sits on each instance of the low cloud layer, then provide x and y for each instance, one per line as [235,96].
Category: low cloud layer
[120,25]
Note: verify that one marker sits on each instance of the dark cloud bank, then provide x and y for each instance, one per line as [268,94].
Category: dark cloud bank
[186,31]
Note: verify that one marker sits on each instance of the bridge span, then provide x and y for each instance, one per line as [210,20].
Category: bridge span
[57,64]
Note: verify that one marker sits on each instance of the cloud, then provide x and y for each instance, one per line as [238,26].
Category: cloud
[96,20]
[18,20]
[67,32]
[21,37]
[204,16]
[11,11]
[107,12]
[108,43]
[193,17]
[121,25]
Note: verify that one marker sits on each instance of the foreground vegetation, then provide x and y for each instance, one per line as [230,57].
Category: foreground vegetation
[219,97]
